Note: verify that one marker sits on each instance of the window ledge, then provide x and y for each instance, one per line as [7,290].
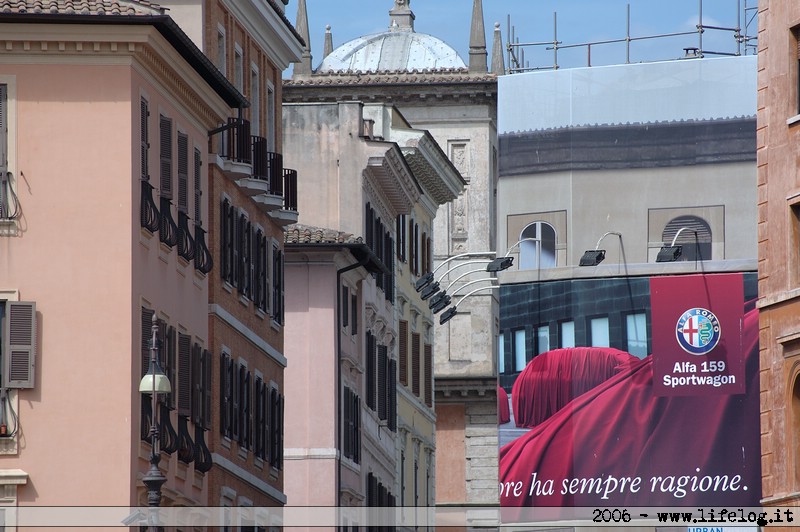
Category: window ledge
[793,120]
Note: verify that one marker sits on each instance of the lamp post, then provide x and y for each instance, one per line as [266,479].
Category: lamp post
[154,383]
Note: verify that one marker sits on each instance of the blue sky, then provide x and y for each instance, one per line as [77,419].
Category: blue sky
[578,21]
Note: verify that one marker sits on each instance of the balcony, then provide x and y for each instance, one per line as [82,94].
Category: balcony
[258,172]
[267,169]
[233,147]
[287,214]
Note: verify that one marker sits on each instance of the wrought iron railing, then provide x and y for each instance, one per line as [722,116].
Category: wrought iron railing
[202,456]
[148,212]
[267,165]
[186,448]
[203,262]
[168,229]
[234,140]
[186,243]
[290,189]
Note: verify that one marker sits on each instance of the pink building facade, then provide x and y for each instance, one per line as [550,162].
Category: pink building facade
[106,121]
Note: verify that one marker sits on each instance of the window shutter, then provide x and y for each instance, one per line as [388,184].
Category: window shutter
[383,392]
[402,354]
[165,144]
[19,345]
[183,172]
[147,335]
[184,374]
[171,366]
[196,384]
[247,413]
[198,188]
[428,375]
[370,377]
[225,396]
[415,354]
[345,422]
[410,238]
[267,423]
[145,138]
[392,395]
[235,398]
[207,394]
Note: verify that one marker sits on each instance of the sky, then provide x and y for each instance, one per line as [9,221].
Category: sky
[578,21]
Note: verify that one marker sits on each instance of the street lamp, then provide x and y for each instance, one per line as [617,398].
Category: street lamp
[673,252]
[154,383]
[595,256]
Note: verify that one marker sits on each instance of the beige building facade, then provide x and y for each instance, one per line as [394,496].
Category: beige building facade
[455,101]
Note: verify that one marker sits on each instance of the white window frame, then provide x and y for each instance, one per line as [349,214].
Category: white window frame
[238,67]
[10,82]
[271,117]
[222,50]
[255,100]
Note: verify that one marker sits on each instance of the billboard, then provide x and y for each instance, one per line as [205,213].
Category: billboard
[593,425]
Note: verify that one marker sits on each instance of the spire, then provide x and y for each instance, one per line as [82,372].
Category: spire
[401,18]
[477,39]
[498,63]
[326,51]
[303,68]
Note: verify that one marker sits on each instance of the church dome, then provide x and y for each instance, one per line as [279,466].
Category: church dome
[392,51]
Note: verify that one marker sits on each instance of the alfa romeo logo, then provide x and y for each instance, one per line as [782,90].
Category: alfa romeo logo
[698,331]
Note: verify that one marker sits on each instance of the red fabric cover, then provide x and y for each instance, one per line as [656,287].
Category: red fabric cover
[503,414]
[621,428]
[553,379]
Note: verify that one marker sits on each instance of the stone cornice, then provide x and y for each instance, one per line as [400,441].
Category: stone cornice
[140,47]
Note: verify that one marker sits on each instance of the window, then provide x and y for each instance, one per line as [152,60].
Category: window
[276,436]
[144,136]
[542,339]
[168,229]
[351,425]
[9,203]
[598,329]
[261,263]
[255,101]
[222,50]
[415,363]
[402,351]
[228,251]
[428,375]
[238,67]
[277,284]
[372,358]
[694,239]
[345,307]
[401,237]
[636,332]
[271,139]
[226,395]
[198,187]
[17,343]
[501,353]
[540,250]
[354,314]
[520,358]
[567,333]
[244,245]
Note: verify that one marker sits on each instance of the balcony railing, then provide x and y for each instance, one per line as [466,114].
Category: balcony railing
[235,140]
[202,255]
[168,230]
[148,212]
[290,189]
[267,166]
[185,240]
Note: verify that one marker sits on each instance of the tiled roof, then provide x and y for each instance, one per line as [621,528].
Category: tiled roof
[80,7]
[307,234]
[443,75]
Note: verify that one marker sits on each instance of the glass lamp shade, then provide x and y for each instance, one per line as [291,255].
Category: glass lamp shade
[155,376]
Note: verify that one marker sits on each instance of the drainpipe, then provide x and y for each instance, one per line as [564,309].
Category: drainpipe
[362,262]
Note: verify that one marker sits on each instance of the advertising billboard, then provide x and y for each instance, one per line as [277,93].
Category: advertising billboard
[593,425]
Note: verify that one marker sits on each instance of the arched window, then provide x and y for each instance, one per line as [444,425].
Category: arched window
[692,248]
[540,250]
